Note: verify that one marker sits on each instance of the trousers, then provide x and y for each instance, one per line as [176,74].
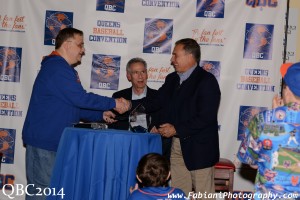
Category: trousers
[39,165]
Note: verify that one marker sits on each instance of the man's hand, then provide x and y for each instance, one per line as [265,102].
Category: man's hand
[109,116]
[167,130]
[154,130]
[122,105]
[277,101]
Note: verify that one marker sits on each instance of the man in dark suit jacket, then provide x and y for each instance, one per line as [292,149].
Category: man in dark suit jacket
[136,72]
[123,122]
[188,102]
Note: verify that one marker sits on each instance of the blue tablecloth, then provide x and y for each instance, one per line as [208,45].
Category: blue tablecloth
[99,164]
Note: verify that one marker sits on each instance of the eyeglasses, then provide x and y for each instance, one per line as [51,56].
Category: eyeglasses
[136,73]
[81,45]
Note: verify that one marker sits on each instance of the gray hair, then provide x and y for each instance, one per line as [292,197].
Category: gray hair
[135,60]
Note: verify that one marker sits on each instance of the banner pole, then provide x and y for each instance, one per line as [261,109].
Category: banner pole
[285,40]
[286,30]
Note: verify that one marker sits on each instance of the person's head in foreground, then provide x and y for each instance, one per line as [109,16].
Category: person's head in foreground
[153,170]
[291,82]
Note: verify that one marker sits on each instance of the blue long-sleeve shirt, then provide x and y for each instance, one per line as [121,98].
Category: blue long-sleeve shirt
[58,100]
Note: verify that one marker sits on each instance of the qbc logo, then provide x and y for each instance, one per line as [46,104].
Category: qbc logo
[10,64]
[111,5]
[158,35]
[54,22]
[258,41]
[210,8]
[105,72]
[7,145]
[262,3]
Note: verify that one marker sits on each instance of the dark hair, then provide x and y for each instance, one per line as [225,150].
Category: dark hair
[191,46]
[66,34]
[135,60]
[153,170]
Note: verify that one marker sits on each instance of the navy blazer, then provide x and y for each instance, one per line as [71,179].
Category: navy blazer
[123,124]
[192,108]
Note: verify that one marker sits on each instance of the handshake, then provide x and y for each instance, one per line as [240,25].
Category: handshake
[122,105]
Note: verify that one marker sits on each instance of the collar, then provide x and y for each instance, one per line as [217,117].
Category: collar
[185,75]
[136,96]
[54,53]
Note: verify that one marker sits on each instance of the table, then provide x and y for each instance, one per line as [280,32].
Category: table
[99,164]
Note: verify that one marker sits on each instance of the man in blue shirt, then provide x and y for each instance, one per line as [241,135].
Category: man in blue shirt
[58,100]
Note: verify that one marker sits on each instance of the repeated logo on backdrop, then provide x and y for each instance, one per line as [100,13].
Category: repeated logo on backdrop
[258,41]
[161,3]
[210,8]
[54,22]
[246,113]
[158,36]
[212,67]
[105,72]
[7,145]
[9,106]
[12,23]
[111,5]
[109,32]
[10,64]
[256,79]
[158,73]
[262,3]
[210,37]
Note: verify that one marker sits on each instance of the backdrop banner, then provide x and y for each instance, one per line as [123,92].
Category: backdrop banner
[241,43]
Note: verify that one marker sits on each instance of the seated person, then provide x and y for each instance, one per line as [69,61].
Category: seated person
[153,173]
[136,72]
